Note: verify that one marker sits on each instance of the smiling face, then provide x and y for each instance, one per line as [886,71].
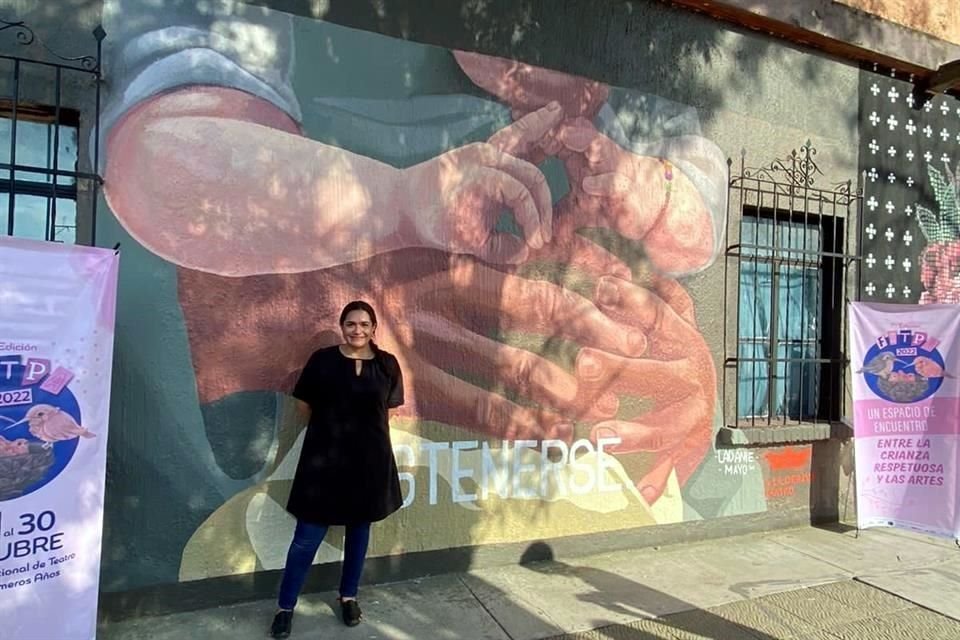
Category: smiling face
[357,329]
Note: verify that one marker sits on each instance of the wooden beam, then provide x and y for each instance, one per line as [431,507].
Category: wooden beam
[945,78]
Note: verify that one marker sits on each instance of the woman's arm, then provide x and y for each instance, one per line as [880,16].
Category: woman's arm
[303,409]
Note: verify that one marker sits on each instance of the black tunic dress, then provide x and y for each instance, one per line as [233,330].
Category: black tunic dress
[347,473]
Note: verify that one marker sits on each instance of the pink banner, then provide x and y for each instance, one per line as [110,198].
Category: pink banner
[906,415]
[930,417]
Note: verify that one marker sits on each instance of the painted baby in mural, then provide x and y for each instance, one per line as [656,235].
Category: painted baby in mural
[280,195]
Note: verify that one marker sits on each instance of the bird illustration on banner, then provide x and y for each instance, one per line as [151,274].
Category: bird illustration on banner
[51,424]
[882,365]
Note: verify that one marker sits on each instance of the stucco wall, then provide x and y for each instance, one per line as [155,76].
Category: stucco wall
[228,282]
[889,37]
[203,444]
[936,17]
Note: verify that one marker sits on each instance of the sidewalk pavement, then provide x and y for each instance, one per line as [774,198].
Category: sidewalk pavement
[808,583]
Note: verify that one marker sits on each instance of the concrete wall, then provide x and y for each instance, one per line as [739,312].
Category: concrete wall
[939,19]
[913,37]
[248,218]
[220,307]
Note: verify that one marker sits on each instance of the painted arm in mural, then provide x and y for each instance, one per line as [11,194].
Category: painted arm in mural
[218,180]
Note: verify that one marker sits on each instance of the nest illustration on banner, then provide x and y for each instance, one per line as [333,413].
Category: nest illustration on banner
[39,426]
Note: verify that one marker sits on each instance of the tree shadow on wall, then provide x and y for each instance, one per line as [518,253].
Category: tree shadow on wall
[260,328]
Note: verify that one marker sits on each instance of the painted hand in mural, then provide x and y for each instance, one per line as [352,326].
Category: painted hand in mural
[438,327]
[452,202]
[437,313]
[642,198]
[676,374]
[639,341]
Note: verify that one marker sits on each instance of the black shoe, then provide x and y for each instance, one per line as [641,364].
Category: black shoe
[282,624]
[350,609]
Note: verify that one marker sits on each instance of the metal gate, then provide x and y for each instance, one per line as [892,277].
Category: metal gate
[791,264]
[50,113]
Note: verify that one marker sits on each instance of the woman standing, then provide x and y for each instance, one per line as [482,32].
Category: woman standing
[347,474]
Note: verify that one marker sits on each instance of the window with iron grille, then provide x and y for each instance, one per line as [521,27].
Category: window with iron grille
[787,330]
[46,181]
[789,266]
[38,183]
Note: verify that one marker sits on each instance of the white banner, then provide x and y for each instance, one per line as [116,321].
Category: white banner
[57,307]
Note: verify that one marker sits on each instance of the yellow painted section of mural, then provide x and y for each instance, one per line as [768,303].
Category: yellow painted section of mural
[250,531]
[940,18]
[523,241]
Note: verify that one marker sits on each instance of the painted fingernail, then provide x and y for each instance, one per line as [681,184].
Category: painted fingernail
[561,431]
[636,342]
[605,433]
[608,294]
[588,366]
[649,494]
[536,240]
[608,404]
[623,272]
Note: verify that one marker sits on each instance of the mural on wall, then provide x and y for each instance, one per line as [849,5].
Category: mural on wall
[523,234]
[910,147]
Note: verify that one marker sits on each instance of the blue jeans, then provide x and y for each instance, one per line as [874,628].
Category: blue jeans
[303,549]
